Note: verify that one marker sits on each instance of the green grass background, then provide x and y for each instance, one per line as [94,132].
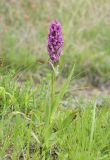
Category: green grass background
[28,129]
[86,31]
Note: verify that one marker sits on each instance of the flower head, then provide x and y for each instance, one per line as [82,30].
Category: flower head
[55,41]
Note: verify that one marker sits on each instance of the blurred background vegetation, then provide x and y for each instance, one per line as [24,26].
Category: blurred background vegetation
[80,127]
[86,30]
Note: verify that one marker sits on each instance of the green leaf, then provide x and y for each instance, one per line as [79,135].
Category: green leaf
[62,92]
[68,120]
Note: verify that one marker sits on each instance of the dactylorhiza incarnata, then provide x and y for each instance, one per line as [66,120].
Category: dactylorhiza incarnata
[55,41]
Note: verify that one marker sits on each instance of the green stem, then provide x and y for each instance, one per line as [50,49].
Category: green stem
[52,91]
[53,88]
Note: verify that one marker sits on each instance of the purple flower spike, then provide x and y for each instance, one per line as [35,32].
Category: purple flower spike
[55,41]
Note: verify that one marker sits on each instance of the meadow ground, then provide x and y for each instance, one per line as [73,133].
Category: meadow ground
[74,123]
